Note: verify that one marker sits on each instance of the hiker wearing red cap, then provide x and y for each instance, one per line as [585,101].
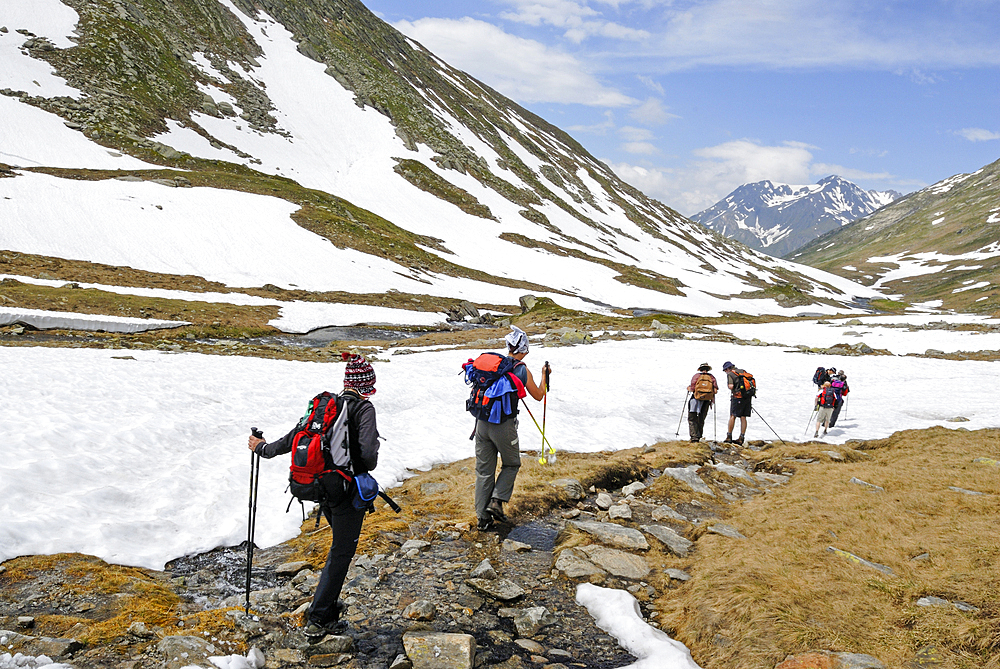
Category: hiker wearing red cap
[344,517]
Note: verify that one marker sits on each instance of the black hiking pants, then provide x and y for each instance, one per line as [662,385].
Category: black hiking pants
[697,413]
[345,525]
[836,411]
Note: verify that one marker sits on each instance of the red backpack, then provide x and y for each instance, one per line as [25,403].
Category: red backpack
[321,458]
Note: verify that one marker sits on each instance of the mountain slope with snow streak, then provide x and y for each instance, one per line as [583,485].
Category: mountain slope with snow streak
[425,181]
[779,218]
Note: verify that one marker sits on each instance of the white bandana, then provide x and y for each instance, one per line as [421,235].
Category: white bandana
[517,340]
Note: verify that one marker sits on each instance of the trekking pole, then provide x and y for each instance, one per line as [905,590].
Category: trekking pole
[545,440]
[810,420]
[252,511]
[551,455]
[715,425]
[768,426]
[683,411]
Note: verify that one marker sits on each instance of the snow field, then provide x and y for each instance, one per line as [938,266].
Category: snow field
[142,460]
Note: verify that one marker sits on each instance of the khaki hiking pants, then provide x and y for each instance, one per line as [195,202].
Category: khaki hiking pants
[492,440]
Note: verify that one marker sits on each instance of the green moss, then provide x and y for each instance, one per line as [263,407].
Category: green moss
[889,305]
[429,181]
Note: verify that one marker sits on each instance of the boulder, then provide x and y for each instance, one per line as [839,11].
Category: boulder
[677,544]
[529,622]
[612,534]
[664,511]
[620,512]
[574,564]
[572,487]
[690,476]
[604,501]
[633,488]
[527,303]
[616,562]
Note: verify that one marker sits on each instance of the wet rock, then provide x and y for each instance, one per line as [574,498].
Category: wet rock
[484,570]
[501,588]
[530,621]
[677,544]
[612,534]
[434,650]
[181,651]
[420,610]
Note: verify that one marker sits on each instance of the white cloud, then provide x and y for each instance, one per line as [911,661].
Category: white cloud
[977,134]
[578,20]
[640,148]
[601,128]
[650,83]
[633,134]
[717,170]
[810,33]
[652,112]
[522,69]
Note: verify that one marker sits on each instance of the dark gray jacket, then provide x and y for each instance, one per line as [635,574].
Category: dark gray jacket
[361,430]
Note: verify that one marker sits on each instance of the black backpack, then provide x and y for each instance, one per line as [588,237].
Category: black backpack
[818,376]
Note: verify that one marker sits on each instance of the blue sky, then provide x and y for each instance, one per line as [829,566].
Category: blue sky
[689,99]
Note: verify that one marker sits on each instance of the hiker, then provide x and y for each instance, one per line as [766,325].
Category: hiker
[825,403]
[841,389]
[703,388]
[820,377]
[743,389]
[496,432]
[344,518]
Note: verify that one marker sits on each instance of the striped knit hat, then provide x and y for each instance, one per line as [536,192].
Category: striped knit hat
[359,374]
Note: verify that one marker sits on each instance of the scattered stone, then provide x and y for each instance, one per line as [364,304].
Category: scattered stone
[181,651]
[616,562]
[139,629]
[572,488]
[677,544]
[690,476]
[933,601]
[662,512]
[512,546]
[502,588]
[530,621]
[282,656]
[678,574]
[861,561]
[434,488]
[620,512]
[871,486]
[988,461]
[964,491]
[414,544]
[25,622]
[530,646]
[484,570]
[834,455]
[633,488]
[291,568]
[420,610]
[824,659]
[435,650]
[958,419]
[604,501]
[612,534]
[574,564]
[331,645]
[725,530]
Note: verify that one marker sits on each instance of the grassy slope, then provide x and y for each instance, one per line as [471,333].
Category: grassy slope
[906,226]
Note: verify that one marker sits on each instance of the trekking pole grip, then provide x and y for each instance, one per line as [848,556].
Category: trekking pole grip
[548,372]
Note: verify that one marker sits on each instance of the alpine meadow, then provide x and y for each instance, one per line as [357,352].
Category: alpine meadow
[211,211]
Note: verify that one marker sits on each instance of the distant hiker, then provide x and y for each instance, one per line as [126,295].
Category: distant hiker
[498,382]
[841,389]
[743,388]
[820,376]
[703,388]
[341,512]
[826,401]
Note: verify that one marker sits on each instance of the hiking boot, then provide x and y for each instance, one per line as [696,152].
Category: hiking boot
[738,440]
[728,439]
[495,509]
[485,524]
[316,631]
[816,434]
[695,440]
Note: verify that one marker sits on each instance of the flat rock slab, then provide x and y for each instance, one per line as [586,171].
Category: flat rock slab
[576,564]
[620,512]
[435,650]
[861,561]
[633,488]
[870,486]
[725,530]
[678,574]
[616,562]
[733,470]
[664,511]
[766,477]
[291,568]
[612,534]
[501,588]
[988,461]
[677,544]
[964,491]
[690,476]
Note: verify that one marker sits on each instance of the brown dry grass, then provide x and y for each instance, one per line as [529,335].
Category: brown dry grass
[750,603]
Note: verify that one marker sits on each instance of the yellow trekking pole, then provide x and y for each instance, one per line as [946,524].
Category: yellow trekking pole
[544,438]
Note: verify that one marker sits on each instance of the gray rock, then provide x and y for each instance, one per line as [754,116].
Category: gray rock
[933,601]
[574,564]
[664,511]
[331,645]
[987,461]
[25,622]
[690,476]
[633,488]
[678,574]
[858,661]
[527,303]
[572,487]
[530,646]
[576,337]
[612,534]
[964,491]
[420,610]
[291,568]
[181,651]
[725,530]
[620,512]
[281,657]
[501,588]
[529,622]
[965,607]
[436,650]
[871,486]
[484,570]
[616,562]
[414,544]
[861,561]
[401,662]
[434,488]
[604,501]
[732,470]
[677,544]
[767,477]
[833,455]
[140,630]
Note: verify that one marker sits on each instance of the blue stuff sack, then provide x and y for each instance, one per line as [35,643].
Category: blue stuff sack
[365,491]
